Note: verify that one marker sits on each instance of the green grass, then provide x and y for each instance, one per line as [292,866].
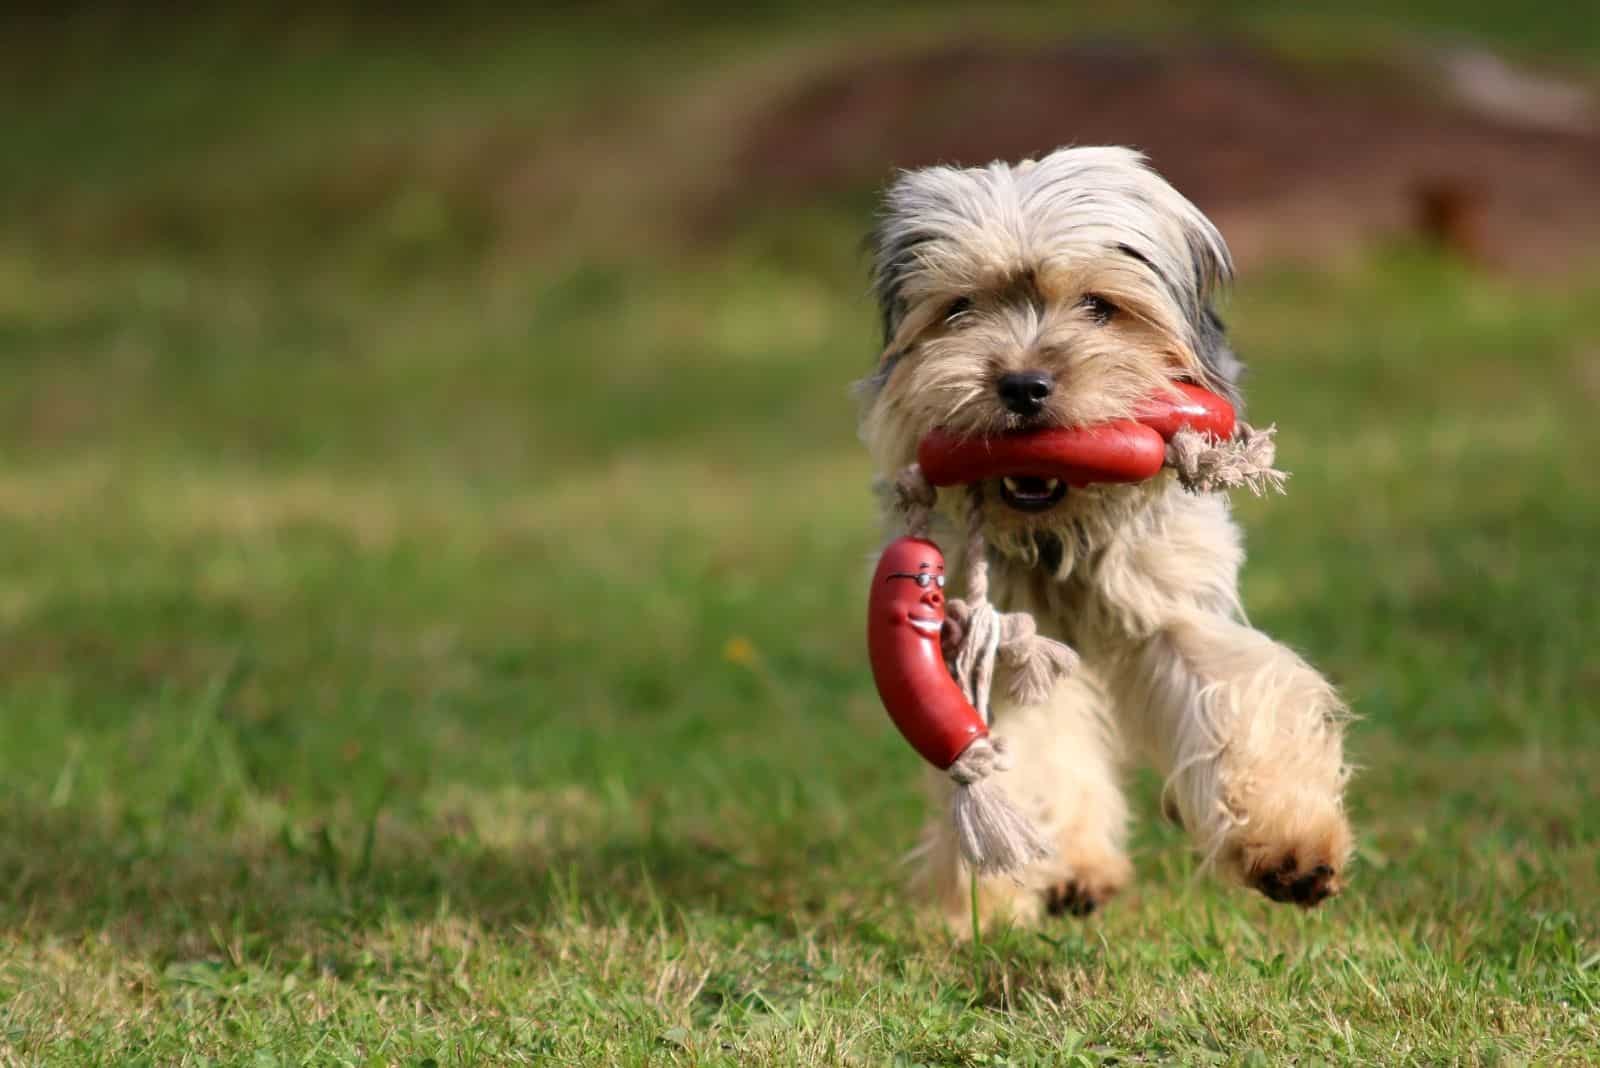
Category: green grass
[415,650]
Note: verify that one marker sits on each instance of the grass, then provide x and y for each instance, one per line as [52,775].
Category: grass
[416,651]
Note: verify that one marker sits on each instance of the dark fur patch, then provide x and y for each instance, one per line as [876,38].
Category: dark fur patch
[1133,253]
[1023,288]
[1218,357]
[873,384]
[1211,335]
[1050,551]
[893,260]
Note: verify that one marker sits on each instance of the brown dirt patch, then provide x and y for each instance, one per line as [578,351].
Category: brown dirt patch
[1289,161]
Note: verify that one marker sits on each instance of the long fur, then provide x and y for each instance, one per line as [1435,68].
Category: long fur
[1088,266]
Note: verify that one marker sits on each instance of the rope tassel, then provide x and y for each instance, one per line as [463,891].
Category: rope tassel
[1243,460]
[995,838]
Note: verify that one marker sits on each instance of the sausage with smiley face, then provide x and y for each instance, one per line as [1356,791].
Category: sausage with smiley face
[905,614]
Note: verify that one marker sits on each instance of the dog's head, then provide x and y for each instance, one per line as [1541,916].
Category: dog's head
[1056,292]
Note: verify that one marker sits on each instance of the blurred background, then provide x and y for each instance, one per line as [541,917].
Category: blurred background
[429,491]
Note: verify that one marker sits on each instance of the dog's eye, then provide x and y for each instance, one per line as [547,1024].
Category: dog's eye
[956,309]
[1100,309]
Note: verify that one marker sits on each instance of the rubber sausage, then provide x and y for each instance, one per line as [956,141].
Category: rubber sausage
[1199,410]
[1127,450]
[905,613]
[1123,451]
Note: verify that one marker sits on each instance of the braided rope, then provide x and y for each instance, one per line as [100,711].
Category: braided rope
[1244,460]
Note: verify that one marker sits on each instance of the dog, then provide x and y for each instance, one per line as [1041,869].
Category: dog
[1061,292]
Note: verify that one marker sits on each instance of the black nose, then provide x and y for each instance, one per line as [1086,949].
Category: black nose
[1025,392]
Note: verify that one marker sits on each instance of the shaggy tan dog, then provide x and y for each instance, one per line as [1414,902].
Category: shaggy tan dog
[1062,291]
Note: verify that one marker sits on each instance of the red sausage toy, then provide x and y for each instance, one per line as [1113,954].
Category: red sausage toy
[905,613]
[1128,450]
[1123,451]
[1199,409]
[906,606]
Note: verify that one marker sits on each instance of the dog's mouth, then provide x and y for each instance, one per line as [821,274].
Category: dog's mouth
[1025,493]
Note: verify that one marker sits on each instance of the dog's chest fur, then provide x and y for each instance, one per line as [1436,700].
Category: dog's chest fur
[1087,579]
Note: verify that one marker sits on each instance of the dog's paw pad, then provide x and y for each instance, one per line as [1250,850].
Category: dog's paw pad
[1072,898]
[1290,881]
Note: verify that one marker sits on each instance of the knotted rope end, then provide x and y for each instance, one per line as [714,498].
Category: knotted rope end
[994,836]
[1245,460]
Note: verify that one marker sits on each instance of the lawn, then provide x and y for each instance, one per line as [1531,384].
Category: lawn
[422,644]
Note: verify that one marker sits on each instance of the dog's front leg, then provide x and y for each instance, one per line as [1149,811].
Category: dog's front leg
[1249,737]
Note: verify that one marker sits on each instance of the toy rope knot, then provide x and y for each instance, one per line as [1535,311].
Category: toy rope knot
[994,837]
[982,758]
[1036,662]
[976,633]
[1206,465]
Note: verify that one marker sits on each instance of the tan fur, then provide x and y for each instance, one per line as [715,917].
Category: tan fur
[1142,579]
[1066,780]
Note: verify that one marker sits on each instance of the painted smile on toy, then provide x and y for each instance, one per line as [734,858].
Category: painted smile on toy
[922,607]
[1036,467]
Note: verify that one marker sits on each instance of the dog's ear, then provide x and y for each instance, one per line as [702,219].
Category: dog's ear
[922,207]
[893,245]
[1210,272]
[901,230]
[1216,354]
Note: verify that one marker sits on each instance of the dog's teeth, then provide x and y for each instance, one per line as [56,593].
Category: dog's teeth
[1047,486]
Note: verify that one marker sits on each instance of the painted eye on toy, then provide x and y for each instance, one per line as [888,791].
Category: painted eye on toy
[922,579]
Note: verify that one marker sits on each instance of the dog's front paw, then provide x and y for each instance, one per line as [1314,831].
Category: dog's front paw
[1290,848]
[1299,876]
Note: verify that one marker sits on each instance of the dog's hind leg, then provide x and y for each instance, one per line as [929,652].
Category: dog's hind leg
[1064,776]
[1067,775]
